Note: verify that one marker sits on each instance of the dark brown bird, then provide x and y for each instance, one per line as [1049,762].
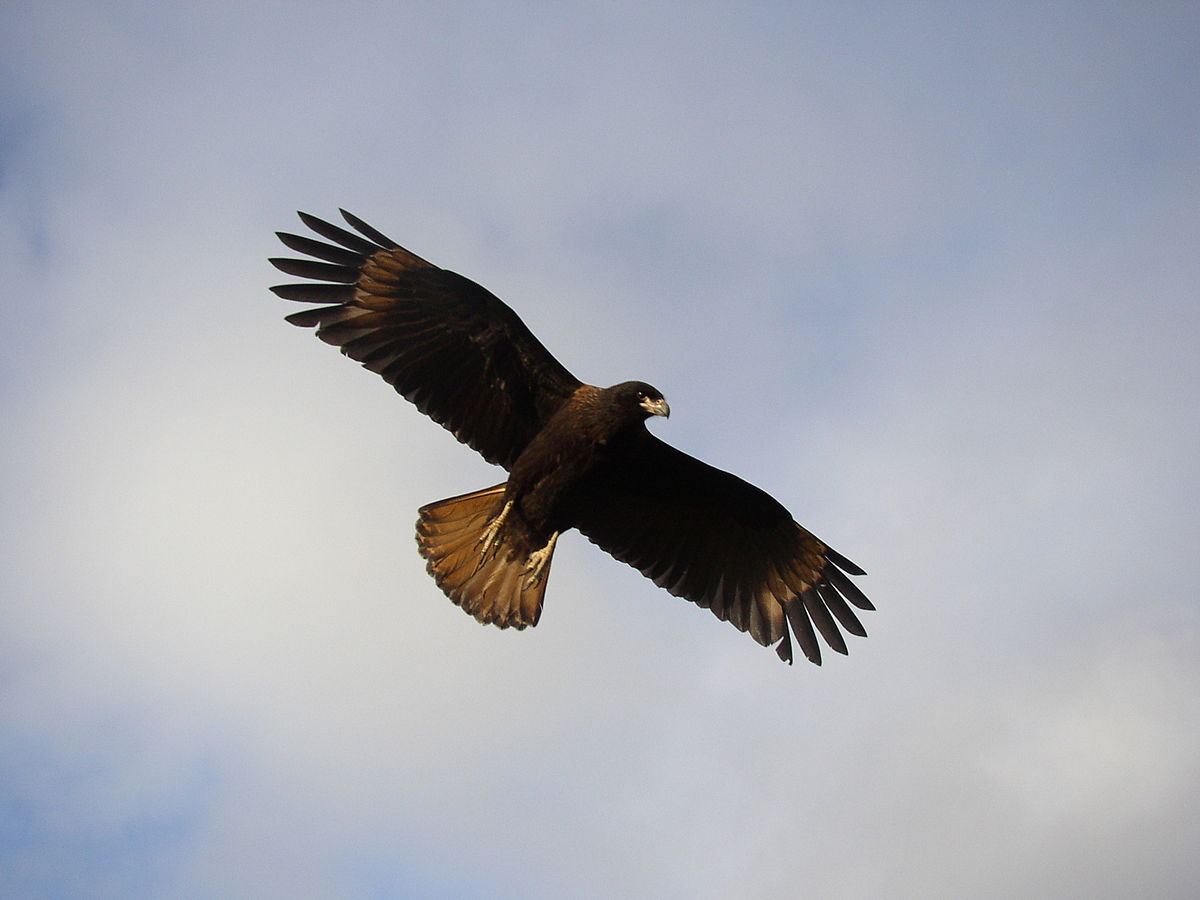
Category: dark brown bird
[578,456]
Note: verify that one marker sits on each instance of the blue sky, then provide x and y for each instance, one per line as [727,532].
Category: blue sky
[926,272]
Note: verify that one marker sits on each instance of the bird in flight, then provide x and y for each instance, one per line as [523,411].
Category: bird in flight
[577,456]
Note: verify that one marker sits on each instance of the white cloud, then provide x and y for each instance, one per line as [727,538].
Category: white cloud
[929,278]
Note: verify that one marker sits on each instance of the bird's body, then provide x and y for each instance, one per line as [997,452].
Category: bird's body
[578,456]
[593,433]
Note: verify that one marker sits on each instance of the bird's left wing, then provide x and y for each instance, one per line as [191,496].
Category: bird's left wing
[720,542]
[448,345]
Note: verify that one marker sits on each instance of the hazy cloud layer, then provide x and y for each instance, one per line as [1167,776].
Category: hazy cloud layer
[927,274]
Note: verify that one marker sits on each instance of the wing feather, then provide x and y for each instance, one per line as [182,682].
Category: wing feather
[347,239]
[837,605]
[313,293]
[443,342]
[318,250]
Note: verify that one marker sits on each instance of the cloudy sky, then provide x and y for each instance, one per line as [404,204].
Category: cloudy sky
[926,272]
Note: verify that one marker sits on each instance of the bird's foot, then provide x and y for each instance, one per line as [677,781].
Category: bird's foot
[489,541]
[535,566]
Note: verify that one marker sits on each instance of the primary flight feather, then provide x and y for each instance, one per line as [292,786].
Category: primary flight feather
[578,456]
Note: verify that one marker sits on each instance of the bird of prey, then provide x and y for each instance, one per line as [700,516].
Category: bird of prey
[577,456]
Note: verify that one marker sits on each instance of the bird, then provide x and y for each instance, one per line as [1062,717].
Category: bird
[577,456]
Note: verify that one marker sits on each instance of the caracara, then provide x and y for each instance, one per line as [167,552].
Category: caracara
[577,456]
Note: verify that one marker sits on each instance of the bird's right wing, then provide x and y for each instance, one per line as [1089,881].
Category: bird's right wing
[442,341]
[720,542]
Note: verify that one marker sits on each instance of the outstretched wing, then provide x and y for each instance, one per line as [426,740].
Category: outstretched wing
[712,538]
[450,346]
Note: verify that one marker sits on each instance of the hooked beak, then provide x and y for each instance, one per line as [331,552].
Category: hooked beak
[656,407]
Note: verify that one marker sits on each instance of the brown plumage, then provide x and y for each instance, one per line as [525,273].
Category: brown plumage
[578,456]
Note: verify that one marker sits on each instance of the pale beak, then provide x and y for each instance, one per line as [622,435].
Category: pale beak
[656,407]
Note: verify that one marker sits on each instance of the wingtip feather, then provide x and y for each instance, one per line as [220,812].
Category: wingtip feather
[367,231]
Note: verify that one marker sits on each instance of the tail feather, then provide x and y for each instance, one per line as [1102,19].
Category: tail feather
[495,585]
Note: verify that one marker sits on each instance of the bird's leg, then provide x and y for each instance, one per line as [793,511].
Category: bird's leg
[488,540]
[535,566]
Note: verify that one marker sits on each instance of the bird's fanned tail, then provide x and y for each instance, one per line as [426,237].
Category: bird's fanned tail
[490,581]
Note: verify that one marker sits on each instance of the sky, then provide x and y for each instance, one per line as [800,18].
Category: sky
[926,272]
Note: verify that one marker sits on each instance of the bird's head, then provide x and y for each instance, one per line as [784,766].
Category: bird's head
[641,399]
